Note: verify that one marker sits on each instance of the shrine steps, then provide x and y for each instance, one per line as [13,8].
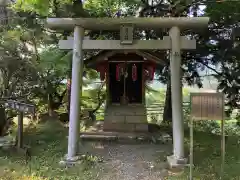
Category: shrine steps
[125,118]
[116,137]
[123,137]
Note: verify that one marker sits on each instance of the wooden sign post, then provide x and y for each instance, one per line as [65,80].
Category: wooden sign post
[207,106]
[21,108]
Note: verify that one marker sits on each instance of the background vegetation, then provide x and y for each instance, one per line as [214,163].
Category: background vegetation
[34,70]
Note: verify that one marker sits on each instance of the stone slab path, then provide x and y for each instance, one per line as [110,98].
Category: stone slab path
[129,161]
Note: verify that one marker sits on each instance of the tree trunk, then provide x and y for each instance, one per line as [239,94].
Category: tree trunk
[3,121]
[50,105]
[68,94]
[238,119]
[69,87]
[167,114]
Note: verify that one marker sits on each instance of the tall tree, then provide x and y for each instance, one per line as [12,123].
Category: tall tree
[216,50]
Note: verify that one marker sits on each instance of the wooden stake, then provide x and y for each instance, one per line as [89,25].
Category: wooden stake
[20,130]
[191,149]
[222,148]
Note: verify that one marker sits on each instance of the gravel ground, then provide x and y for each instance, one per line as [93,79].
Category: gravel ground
[129,161]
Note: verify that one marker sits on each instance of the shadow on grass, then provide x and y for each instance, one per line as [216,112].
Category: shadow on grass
[48,144]
[207,158]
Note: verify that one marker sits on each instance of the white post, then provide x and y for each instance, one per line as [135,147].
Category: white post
[76,90]
[176,90]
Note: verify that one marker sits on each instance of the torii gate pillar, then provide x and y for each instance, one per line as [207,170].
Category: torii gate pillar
[176,92]
[76,90]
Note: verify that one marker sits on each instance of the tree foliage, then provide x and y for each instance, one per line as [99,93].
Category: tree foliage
[29,55]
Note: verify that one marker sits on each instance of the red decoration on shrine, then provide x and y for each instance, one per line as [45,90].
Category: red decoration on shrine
[69,83]
[102,69]
[149,71]
[134,72]
[118,71]
[152,71]
[145,72]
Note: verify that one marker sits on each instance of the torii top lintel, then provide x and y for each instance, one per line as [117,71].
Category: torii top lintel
[115,23]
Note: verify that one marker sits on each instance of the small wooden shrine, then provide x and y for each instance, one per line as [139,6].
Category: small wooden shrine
[126,73]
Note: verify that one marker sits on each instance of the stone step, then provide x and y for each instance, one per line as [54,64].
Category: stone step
[125,114]
[115,136]
[125,127]
[124,137]
[125,119]
[98,137]
[125,109]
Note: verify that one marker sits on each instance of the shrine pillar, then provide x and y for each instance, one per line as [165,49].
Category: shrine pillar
[176,92]
[76,90]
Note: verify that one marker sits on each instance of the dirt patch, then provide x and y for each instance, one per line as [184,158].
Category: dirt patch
[129,161]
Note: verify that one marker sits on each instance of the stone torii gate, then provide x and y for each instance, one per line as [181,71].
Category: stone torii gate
[174,42]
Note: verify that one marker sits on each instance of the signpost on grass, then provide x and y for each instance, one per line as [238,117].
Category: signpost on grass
[207,106]
[21,108]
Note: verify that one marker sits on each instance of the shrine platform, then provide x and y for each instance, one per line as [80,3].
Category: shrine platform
[126,118]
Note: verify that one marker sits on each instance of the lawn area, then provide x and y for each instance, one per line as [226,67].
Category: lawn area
[207,158]
[48,145]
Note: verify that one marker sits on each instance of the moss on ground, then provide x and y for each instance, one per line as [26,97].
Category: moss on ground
[207,158]
[48,143]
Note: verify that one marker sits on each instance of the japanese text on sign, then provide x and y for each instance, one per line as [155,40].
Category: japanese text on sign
[207,106]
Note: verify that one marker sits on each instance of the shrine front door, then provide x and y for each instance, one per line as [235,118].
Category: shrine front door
[125,82]
[116,87]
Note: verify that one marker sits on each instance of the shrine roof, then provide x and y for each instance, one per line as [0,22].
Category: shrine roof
[115,23]
[102,56]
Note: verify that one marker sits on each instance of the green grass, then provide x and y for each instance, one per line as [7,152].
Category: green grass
[48,145]
[207,158]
